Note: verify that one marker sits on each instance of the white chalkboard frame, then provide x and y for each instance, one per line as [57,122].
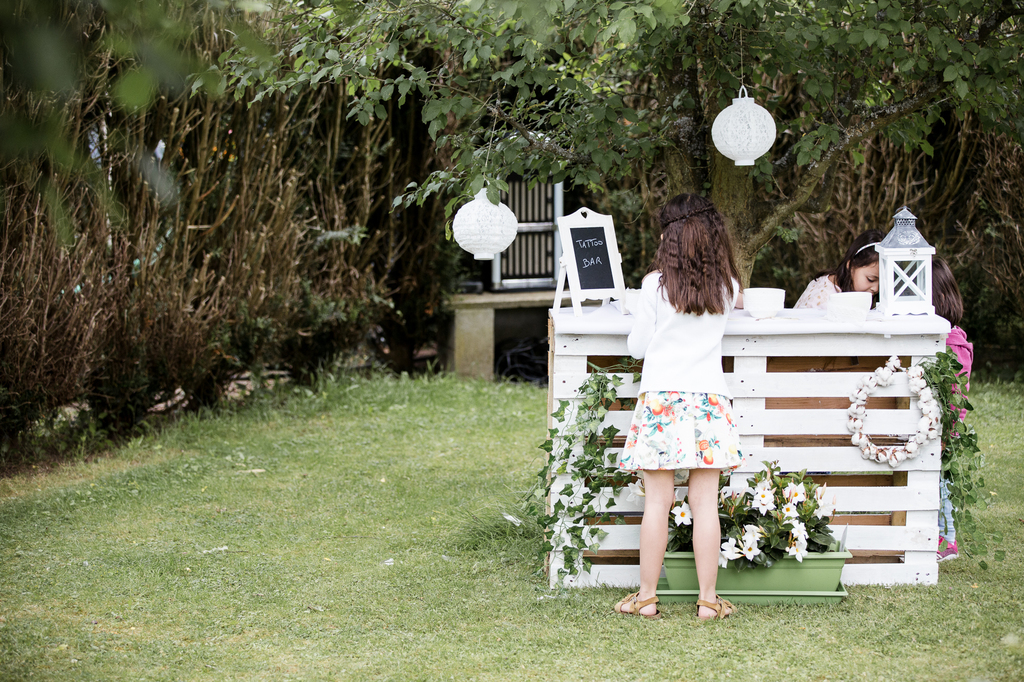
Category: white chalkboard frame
[568,272]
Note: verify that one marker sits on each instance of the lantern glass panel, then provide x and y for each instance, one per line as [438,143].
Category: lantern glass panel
[910,280]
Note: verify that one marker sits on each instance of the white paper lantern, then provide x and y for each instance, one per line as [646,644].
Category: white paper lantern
[744,130]
[484,229]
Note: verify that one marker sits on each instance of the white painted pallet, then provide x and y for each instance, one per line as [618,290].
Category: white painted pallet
[754,388]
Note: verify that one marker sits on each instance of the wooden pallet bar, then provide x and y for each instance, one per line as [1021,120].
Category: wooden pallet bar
[790,379]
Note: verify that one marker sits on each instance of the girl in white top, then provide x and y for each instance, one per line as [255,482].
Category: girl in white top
[683,417]
[857,271]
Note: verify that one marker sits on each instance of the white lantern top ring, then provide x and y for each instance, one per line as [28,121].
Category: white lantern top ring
[744,130]
[484,229]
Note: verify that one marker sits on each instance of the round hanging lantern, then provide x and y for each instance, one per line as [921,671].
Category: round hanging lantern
[484,229]
[744,130]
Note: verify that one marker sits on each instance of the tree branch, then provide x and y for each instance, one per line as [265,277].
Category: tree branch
[814,192]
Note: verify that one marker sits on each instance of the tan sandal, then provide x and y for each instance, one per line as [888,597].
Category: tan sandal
[720,608]
[631,600]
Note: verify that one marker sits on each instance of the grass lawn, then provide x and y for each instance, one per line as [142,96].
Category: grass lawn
[357,533]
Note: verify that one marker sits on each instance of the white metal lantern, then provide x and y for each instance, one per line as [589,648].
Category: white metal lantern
[484,229]
[744,130]
[905,269]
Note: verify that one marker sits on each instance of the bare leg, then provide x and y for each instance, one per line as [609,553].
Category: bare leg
[707,534]
[659,489]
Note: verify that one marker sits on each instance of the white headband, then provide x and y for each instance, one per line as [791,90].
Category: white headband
[866,246]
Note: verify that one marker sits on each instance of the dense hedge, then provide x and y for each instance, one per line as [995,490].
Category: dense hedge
[201,238]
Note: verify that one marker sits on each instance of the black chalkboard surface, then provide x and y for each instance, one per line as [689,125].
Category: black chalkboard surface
[590,250]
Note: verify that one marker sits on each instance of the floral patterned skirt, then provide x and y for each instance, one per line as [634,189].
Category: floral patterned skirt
[682,430]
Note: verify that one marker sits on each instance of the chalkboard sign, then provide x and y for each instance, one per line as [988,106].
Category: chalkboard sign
[590,263]
[594,265]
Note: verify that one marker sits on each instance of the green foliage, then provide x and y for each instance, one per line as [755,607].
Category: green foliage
[962,459]
[581,452]
[582,91]
[775,533]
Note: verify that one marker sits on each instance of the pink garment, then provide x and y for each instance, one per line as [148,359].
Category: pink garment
[964,350]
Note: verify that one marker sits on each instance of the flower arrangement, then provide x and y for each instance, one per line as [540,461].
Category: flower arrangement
[927,427]
[774,517]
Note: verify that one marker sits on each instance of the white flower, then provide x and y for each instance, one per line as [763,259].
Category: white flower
[798,549]
[923,424]
[789,509]
[870,381]
[795,492]
[636,491]
[884,376]
[925,395]
[920,437]
[893,363]
[911,447]
[763,485]
[730,552]
[915,372]
[917,385]
[825,508]
[764,501]
[799,531]
[752,533]
[749,549]
[682,515]
[933,434]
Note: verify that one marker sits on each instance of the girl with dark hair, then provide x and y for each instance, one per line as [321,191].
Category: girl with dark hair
[683,417]
[857,271]
[949,304]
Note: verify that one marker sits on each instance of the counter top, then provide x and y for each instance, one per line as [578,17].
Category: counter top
[608,319]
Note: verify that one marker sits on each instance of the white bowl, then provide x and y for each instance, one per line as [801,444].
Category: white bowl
[848,306]
[763,303]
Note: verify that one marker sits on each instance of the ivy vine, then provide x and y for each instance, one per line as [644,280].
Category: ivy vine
[580,449]
[962,459]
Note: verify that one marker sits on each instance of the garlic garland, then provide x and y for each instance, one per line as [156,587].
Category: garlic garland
[927,426]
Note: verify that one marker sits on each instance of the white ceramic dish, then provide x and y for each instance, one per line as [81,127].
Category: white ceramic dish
[763,303]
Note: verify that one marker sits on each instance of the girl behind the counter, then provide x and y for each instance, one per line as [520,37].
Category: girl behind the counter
[857,271]
[683,417]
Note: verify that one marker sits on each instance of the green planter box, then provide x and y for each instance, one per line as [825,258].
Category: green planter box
[813,581]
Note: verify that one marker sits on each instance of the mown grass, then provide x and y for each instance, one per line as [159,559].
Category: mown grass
[258,545]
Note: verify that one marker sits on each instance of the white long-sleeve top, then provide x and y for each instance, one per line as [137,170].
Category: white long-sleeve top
[681,351]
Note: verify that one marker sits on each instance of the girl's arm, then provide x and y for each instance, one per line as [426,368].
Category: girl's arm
[646,317]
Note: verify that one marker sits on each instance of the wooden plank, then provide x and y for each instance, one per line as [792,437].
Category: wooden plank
[825,422]
[844,458]
[808,384]
[882,499]
[591,344]
[818,364]
[837,460]
[817,441]
[831,403]
[861,520]
[888,574]
[829,345]
[572,374]
[619,363]
[880,479]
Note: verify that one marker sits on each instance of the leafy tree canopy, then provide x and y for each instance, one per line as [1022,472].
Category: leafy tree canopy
[573,90]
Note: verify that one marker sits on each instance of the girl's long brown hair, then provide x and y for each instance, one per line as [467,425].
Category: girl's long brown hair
[695,257]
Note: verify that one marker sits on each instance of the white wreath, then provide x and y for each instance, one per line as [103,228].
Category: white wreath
[927,426]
